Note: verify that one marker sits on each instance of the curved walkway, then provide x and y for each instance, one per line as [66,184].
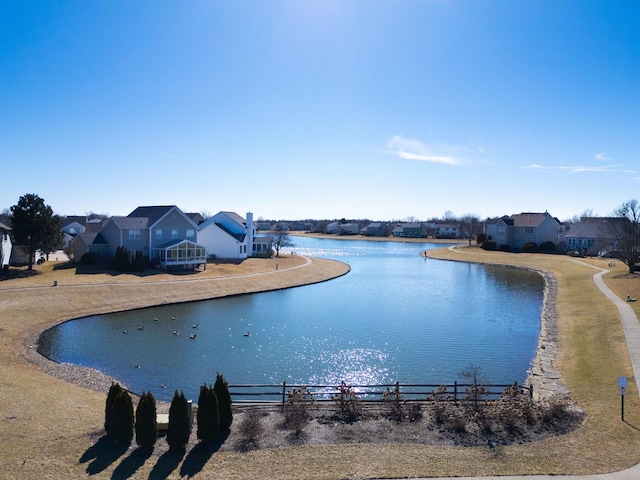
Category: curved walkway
[631,329]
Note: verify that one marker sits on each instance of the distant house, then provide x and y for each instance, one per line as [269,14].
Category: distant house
[447,230]
[519,229]
[332,227]
[409,230]
[375,229]
[348,229]
[227,235]
[591,236]
[5,245]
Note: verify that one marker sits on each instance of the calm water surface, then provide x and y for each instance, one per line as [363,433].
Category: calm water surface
[395,316]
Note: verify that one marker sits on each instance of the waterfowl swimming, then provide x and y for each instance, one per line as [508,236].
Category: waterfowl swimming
[173,317]
[195,325]
[125,331]
[162,385]
[141,327]
[155,319]
[192,336]
[175,332]
[136,366]
[246,334]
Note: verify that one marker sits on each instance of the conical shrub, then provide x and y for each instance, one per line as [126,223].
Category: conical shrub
[146,423]
[179,422]
[208,415]
[122,418]
[114,390]
[221,387]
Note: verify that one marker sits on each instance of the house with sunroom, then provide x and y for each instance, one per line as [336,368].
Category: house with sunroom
[164,234]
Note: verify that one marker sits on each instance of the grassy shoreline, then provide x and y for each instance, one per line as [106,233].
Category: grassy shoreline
[50,425]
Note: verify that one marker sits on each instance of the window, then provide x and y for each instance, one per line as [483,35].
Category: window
[174,233]
[191,233]
[134,235]
[159,234]
[528,229]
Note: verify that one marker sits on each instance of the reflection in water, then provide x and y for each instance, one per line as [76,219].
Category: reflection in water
[394,317]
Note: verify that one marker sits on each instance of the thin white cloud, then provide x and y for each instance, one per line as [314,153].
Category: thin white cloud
[602,157]
[571,169]
[412,149]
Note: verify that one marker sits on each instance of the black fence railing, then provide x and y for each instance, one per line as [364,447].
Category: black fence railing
[278,392]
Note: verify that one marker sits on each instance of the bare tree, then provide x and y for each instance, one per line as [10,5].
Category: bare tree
[625,230]
[469,225]
[280,237]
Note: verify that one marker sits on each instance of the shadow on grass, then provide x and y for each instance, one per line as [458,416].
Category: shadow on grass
[199,456]
[132,463]
[102,454]
[166,464]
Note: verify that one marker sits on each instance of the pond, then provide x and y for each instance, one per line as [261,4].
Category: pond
[395,317]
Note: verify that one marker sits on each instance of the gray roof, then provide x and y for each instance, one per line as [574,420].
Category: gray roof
[153,213]
[4,227]
[128,223]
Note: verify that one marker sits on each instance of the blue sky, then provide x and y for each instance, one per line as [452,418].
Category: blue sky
[321,109]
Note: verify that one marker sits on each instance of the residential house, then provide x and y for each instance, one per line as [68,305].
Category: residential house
[375,229]
[332,227]
[164,234]
[591,236]
[348,229]
[519,229]
[5,245]
[447,230]
[409,230]
[227,235]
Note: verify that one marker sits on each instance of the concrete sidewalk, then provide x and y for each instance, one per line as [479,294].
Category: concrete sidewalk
[631,329]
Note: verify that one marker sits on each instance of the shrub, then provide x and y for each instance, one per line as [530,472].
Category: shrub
[488,245]
[146,423]
[89,258]
[347,402]
[114,390]
[481,238]
[395,405]
[530,247]
[296,409]
[250,429]
[208,415]
[553,408]
[122,260]
[122,418]
[440,399]
[179,422]
[221,387]
[505,248]
[548,246]
[139,262]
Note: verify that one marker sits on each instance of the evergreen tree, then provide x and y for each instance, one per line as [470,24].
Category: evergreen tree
[122,260]
[221,387]
[146,423]
[179,422]
[114,390]
[35,226]
[122,418]
[208,414]
[139,262]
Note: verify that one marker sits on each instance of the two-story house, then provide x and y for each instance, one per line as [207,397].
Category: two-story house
[522,228]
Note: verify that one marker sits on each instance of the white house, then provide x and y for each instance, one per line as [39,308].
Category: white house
[229,236]
[5,245]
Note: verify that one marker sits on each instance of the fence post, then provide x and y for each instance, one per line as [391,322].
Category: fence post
[397,387]
[284,389]
[455,391]
[531,392]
